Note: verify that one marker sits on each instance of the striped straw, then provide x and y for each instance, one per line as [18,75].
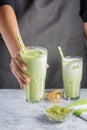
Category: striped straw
[60,51]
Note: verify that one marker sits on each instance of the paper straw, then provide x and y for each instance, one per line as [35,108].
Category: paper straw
[60,51]
[20,42]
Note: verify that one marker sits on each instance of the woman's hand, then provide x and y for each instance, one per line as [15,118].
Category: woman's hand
[17,68]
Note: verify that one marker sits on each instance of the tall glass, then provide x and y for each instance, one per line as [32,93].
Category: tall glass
[72,67]
[35,58]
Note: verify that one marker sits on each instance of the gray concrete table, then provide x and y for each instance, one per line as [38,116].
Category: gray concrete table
[17,114]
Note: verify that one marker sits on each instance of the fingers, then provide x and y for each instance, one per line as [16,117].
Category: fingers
[19,63]
[17,68]
[47,66]
[14,73]
[19,73]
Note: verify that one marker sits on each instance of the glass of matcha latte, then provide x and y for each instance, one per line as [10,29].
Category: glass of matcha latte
[72,67]
[35,58]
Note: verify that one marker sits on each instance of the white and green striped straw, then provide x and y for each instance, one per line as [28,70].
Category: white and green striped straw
[60,51]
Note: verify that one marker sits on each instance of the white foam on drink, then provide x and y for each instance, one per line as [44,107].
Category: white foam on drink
[73,63]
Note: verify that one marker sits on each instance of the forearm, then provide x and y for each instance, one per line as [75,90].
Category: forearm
[85,29]
[9,29]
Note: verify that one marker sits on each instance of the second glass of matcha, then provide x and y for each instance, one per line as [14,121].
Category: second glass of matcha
[72,67]
[35,58]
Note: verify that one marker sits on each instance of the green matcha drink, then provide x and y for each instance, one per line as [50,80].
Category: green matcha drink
[35,59]
[72,76]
